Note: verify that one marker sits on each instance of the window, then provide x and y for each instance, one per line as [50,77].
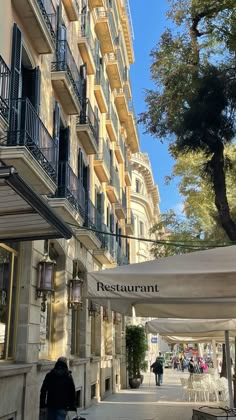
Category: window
[93,391]
[107,384]
[137,185]
[8,301]
[141,228]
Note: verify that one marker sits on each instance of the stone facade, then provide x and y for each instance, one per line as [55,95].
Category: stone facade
[56,39]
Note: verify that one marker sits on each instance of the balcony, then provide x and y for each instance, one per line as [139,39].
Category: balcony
[93,221]
[72,9]
[114,68]
[39,18]
[106,254]
[69,199]
[87,128]
[131,129]
[120,150]
[86,44]
[95,3]
[103,29]
[113,187]
[102,163]
[121,103]
[66,79]
[120,207]
[128,174]
[112,124]
[121,258]
[100,91]
[129,222]
[5,75]
[30,148]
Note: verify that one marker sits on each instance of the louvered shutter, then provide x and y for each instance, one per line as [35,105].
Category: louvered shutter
[15,83]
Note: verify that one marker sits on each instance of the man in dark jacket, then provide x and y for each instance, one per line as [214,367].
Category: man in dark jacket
[57,393]
[157,368]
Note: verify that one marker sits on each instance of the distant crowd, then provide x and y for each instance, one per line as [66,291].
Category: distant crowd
[197,365]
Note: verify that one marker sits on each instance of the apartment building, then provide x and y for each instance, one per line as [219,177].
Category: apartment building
[143,214]
[67,131]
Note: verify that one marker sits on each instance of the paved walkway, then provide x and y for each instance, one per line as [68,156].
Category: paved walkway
[149,402]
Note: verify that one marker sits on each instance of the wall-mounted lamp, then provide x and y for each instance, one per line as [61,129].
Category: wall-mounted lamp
[105,315]
[45,286]
[93,308]
[75,289]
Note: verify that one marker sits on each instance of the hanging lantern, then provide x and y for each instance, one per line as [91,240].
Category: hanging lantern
[75,292]
[45,286]
[92,309]
[105,315]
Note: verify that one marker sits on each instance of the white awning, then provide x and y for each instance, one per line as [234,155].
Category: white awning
[200,284]
[24,215]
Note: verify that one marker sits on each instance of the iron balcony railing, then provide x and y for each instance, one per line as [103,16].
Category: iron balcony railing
[112,27]
[115,181]
[27,129]
[87,116]
[100,80]
[108,241]
[49,14]
[5,75]
[93,218]
[121,145]
[123,198]
[71,188]
[64,61]
[105,154]
[120,257]
[130,217]
[128,168]
[85,32]
[113,117]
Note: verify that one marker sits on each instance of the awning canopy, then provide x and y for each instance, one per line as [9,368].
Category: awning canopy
[192,330]
[24,215]
[200,284]
[191,327]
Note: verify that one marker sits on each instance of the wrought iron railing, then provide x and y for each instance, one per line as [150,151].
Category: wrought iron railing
[100,80]
[121,258]
[64,61]
[27,129]
[71,188]
[108,241]
[111,115]
[115,181]
[5,75]
[105,154]
[122,146]
[49,14]
[123,198]
[112,26]
[85,32]
[87,116]
[130,217]
[93,218]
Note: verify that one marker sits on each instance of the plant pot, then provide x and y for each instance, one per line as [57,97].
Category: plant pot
[141,378]
[134,382]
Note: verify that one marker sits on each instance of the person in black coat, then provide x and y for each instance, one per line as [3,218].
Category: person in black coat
[57,393]
[157,368]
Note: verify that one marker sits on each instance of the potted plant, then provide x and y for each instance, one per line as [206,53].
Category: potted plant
[136,347]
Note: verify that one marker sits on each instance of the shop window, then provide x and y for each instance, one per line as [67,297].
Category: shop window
[8,301]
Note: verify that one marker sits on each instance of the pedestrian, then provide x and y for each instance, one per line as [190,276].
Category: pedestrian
[191,367]
[57,395]
[157,368]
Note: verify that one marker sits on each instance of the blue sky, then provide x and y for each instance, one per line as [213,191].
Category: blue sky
[149,21]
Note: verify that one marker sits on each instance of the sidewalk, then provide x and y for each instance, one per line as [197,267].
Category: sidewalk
[149,402]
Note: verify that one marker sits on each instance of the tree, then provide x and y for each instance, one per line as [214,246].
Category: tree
[194,103]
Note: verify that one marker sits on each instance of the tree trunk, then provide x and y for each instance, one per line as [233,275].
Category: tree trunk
[219,185]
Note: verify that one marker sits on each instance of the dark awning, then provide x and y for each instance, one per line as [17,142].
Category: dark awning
[24,215]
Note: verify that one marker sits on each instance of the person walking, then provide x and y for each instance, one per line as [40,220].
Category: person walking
[157,368]
[57,395]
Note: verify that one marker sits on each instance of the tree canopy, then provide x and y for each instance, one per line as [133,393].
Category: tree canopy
[193,104]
